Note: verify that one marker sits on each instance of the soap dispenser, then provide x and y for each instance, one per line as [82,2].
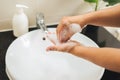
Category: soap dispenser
[20,21]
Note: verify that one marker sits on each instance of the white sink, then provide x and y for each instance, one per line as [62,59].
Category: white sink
[27,59]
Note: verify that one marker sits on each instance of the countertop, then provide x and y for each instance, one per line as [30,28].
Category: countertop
[98,34]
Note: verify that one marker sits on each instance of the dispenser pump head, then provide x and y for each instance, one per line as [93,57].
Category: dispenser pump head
[20,7]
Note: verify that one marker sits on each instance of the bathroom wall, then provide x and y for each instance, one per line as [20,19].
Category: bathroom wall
[53,10]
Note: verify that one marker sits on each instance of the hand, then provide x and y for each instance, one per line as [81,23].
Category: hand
[64,47]
[66,29]
[62,35]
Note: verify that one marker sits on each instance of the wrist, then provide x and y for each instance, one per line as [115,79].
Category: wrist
[90,18]
[81,20]
[77,50]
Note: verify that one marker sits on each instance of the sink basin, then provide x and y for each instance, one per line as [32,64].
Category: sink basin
[27,59]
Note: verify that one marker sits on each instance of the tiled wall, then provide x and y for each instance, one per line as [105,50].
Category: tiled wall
[53,10]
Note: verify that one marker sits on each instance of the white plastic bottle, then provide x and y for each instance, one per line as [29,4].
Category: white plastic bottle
[20,21]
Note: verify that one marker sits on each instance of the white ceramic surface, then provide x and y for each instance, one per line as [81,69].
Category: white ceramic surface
[27,59]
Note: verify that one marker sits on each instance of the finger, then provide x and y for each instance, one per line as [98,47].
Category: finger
[51,48]
[60,29]
[75,42]
[65,35]
[66,23]
[65,39]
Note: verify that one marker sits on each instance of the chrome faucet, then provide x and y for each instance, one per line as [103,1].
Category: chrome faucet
[41,22]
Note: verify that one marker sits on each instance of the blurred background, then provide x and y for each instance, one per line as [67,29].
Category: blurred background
[53,10]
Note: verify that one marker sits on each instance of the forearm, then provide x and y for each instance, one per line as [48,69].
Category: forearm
[106,57]
[105,17]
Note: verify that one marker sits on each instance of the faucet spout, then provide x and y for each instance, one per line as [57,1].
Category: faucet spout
[41,22]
